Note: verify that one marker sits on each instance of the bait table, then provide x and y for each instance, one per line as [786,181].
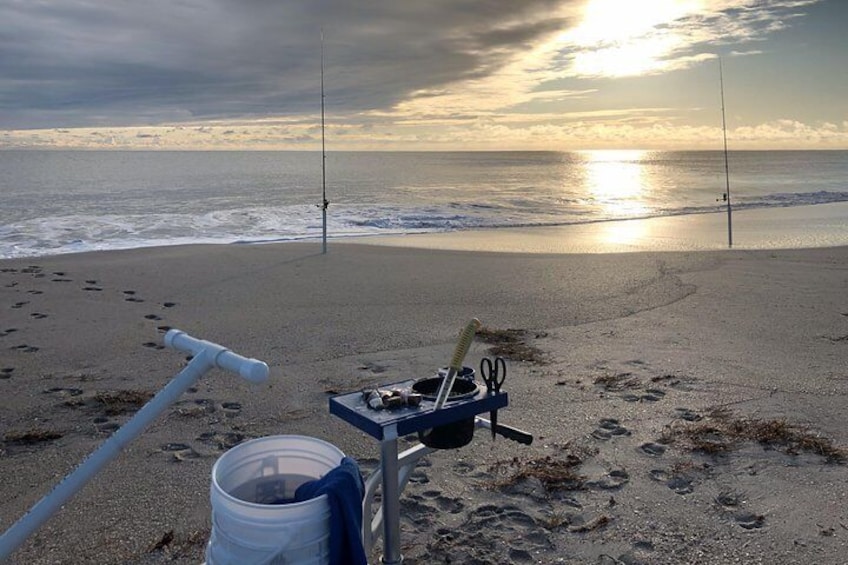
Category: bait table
[386,426]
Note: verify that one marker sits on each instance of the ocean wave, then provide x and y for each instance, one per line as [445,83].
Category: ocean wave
[794,198]
[77,233]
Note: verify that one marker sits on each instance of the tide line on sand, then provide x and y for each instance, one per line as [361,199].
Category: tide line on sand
[797,227]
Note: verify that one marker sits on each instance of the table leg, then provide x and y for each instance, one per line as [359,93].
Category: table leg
[391,497]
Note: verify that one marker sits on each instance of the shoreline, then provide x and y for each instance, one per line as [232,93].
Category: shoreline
[633,346]
[791,227]
[795,227]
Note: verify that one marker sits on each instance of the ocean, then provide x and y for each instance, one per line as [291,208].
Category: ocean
[57,202]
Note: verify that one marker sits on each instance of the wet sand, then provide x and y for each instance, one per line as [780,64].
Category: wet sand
[687,406]
[796,227]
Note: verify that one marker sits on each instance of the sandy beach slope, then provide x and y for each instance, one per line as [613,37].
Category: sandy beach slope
[688,407]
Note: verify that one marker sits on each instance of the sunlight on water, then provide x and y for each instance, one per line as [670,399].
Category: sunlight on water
[616,181]
[72,201]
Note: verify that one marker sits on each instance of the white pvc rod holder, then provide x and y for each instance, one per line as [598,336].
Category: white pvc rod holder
[206,356]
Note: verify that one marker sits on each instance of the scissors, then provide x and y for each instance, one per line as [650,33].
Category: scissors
[494,374]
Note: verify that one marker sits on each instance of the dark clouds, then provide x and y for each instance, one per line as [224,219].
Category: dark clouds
[77,63]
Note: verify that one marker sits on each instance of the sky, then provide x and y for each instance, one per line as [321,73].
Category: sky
[423,74]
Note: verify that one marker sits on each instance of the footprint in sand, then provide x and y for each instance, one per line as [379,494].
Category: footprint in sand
[608,428]
[688,415]
[522,534]
[38,315]
[153,345]
[653,449]
[222,441]
[175,447]
[680,485]
[613,480]
[11,285]
[231,409]
[730,499]
[6,332]
[418,513]
[179,451]
[463,467]
[25,348]
[194,408]
[105,425]
[35,292]
[153,317]
[653,395]
[659,475]
[375,368]
[92,288]
[163,329]
[419,477]
[17,305]
[749,520]
[650,395]
[61,279]
[63,392]
[168,304]
[131,296]
[6,372]
[444,503]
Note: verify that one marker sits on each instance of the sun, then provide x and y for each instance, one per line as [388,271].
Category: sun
[625,38]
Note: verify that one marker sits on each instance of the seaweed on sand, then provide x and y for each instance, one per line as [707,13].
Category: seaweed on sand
[554,474]
[512,344]
[31,437]
[122,401]
[722,433]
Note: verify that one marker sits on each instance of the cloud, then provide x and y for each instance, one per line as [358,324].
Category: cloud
[246,72]
[82,62]
[628,128]
[657,36]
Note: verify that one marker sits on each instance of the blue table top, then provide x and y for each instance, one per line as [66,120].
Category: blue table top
[351,408]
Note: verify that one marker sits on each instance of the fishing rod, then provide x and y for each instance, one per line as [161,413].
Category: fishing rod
[726,165]
[324,202]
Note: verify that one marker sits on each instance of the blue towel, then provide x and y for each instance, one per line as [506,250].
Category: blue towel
[344,489]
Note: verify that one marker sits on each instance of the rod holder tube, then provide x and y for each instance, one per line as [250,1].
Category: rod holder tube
[207,355]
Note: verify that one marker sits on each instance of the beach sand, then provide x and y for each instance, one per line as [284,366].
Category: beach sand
[687,407]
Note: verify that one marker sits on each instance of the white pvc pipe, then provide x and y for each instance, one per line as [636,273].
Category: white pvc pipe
[207,355]
[251,369]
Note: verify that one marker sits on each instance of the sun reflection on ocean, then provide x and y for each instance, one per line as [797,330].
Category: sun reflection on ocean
[615,180]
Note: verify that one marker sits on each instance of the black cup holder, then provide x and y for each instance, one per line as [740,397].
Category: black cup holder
[453,435]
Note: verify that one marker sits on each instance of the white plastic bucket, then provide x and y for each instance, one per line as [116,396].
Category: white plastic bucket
[250,525]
